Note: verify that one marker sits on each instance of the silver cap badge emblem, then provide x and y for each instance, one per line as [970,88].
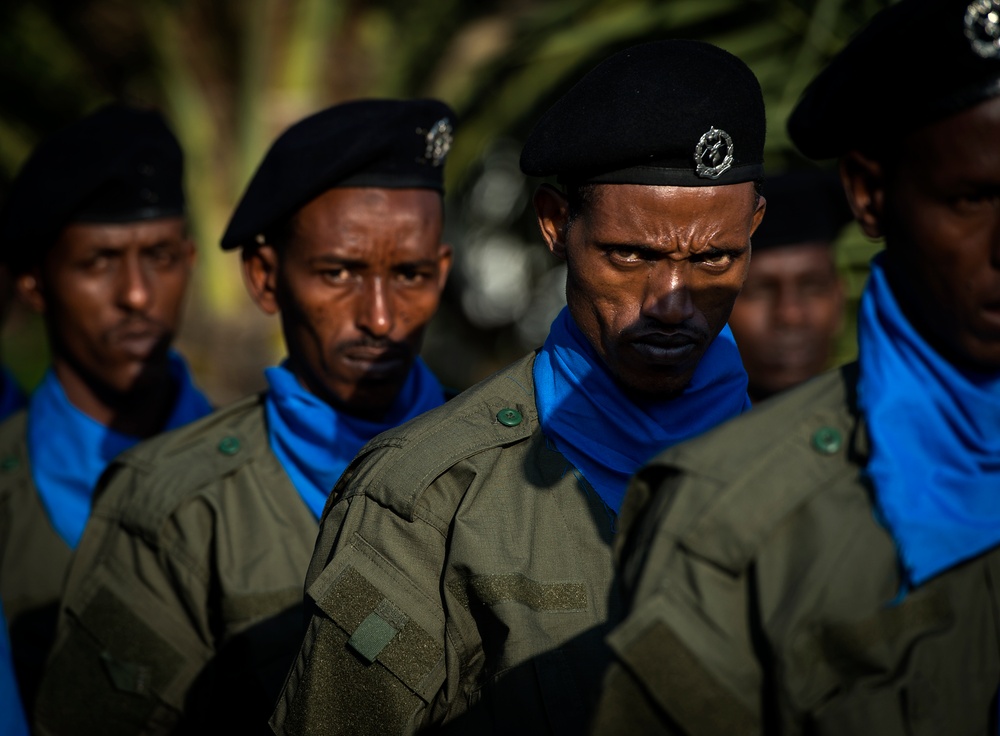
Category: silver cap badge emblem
[437,141]
[982,27]
[714,154]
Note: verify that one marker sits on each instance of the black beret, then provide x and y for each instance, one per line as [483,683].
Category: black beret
[119,164]
[390,144]
[802,207]
[681,113]
[914,63]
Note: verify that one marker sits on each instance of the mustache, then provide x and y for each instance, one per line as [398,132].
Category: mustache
[390,348]
[133,326]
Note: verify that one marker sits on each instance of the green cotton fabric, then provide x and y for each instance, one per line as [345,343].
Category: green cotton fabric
[753,563]
[498,555]
[34,561]
[183,607]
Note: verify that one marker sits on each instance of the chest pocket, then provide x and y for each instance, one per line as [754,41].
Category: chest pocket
[891,673]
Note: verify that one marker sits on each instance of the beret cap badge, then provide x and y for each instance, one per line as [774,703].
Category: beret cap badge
[714,153]
[982,27]
[439,139]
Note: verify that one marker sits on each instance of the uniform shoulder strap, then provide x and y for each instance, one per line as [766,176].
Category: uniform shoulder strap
[396,467]
[732,486]
[146,484]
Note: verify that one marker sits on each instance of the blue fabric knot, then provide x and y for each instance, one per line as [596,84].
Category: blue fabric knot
[934,431]
[315,443]
[606,435]
[69,450]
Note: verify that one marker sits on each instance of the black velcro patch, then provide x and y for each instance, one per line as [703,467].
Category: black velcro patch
[685,689]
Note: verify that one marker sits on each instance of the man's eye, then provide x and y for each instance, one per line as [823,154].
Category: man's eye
[624,255]
[96,262]
[714,258]
[162,256]
[337,274]
[975,201]
[411,275]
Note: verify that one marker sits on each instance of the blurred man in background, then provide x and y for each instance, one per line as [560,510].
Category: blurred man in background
[827,564]
[788,315]
[183,610]
[94,232]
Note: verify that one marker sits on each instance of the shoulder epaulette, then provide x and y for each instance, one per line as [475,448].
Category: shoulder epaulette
[396,467]
[166,469]
[738,482]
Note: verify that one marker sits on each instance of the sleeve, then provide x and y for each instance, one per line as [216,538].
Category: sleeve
[376,650]
[134,630]
[686,659]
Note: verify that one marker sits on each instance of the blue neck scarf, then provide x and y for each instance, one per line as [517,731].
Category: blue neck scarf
[69,450]
[11,396]
[12,721]
[315,442]
[935,440]
[605,434]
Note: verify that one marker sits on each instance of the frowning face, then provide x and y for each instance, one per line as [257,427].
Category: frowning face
[653,272]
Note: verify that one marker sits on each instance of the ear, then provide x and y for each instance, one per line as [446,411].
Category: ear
[192,253]
[260,272]
[444,265]
[552,211]
[758,214]
[864,183]
[29,290]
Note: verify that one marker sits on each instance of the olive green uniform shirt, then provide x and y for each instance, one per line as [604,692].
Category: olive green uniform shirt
[765,597]
[463,576]
[183,607]
[34,559]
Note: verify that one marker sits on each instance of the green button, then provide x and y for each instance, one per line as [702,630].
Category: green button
[9,463]
[827,440]
[509,417]
[229,446]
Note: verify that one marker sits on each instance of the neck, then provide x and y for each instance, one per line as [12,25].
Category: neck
[141,412]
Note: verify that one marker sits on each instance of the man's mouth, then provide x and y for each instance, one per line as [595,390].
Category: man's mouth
[376,360]
[137,341]
[665,347]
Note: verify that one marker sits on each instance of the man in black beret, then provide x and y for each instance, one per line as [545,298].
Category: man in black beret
[463,575]
[788,315]
[95,234]
[827,563]
[183,609]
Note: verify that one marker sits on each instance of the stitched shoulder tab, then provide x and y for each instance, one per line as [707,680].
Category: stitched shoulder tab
[397,466]
[149,481]
[734,485]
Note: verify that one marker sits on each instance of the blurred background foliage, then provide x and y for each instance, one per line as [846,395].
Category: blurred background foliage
[232,74]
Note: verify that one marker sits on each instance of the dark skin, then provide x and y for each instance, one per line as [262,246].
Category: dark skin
[652,273]
[355,286]
[111,296]
[787,316]
[938,205]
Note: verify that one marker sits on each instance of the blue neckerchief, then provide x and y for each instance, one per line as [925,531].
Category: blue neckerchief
[69,450]
[935,440]
[604,433]
[12,721]
[11,396]
[315,442]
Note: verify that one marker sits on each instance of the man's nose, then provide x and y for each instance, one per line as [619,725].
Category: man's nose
[375,314]
[134,291]
[790,308]
[667,297]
